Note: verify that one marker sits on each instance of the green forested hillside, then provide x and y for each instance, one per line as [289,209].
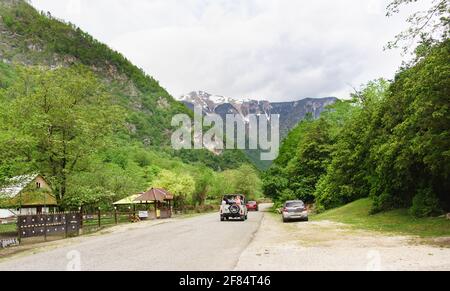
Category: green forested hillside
[29,37]
[390,143]
[94,124]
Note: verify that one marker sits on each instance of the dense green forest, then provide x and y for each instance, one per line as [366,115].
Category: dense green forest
[391,142]
[96,126]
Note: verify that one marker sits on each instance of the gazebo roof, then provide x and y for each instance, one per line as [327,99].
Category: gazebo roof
[155,194]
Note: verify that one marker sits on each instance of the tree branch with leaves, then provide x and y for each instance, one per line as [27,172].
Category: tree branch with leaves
[427,26]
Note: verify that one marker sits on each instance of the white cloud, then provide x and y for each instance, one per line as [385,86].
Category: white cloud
[265,49]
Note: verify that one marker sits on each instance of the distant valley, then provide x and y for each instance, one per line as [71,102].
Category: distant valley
[291,113]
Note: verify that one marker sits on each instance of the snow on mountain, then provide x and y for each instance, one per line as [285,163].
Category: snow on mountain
[291,113]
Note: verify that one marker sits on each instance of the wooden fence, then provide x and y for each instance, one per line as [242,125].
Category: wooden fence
[94,221]
[67,224]
[43,225]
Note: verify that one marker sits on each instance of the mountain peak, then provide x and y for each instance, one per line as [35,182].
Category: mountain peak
[196,96]
[291,113]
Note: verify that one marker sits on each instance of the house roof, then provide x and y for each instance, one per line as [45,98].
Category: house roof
[16,185]
[10,198]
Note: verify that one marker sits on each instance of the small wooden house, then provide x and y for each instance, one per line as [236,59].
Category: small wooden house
[26,195]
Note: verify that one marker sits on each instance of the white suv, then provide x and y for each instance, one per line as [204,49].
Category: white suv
[233,206]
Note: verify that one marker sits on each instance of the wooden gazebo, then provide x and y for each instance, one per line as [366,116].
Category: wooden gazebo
[162,200]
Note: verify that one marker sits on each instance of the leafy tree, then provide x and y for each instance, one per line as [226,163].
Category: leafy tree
[430,26]
[100,184]
[425,204]
[62,116]
[305,154]
[244,180]
[204,179]
[289,146]
[311,160]
[181,185]
[247,182]
[349,172]
[275,181]
[412,152]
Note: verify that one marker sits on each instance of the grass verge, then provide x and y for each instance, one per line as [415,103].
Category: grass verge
[396,221]
[10,227]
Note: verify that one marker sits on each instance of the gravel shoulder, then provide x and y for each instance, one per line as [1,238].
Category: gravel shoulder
[325,245]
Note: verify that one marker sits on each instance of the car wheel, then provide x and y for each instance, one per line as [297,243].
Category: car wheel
[285,220]
[222,218]
[234,209]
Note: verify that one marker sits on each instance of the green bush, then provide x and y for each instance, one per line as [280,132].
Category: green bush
[8,20]
[287,195]
[425,204]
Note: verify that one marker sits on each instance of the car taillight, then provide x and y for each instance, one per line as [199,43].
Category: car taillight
[285,209]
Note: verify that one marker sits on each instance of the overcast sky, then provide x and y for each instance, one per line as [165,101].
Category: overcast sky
[277,50]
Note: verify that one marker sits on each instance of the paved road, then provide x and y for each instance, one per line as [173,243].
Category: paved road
[199,243]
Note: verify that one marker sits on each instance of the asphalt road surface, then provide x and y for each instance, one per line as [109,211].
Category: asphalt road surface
[198,243]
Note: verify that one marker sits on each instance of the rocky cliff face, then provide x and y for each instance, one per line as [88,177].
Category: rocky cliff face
[291,113]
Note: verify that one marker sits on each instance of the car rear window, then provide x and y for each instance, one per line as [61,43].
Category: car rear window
[295,204]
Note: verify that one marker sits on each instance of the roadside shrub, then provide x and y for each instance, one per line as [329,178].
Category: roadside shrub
[323,195]
[8,20]
[385,202]
[287,194]
[425,204]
